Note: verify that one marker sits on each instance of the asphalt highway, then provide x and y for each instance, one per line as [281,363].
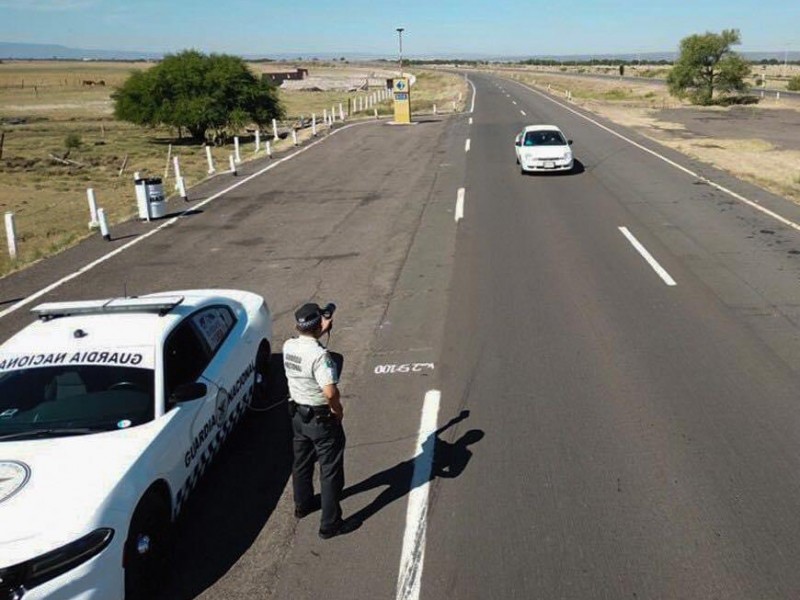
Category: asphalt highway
[556,386]
[640,440]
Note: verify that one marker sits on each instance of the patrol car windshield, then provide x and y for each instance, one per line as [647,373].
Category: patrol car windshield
[70,400]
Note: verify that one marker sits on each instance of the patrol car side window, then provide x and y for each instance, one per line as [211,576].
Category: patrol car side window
[214,324]
[185,357]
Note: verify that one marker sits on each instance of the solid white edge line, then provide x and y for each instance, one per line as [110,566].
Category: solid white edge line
[670,162]
[88,267]
[474,94]
[412,557]
[648,257]
[460,205]
[467,145]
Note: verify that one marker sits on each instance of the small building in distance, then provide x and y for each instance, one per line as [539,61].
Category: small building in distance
[278,77]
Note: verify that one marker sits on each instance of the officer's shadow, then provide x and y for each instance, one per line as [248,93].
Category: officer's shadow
[449,461]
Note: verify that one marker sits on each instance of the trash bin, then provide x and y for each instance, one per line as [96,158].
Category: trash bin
[156,202]
[150,200]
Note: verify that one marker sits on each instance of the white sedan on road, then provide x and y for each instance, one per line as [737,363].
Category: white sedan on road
[110,411]
[543,148]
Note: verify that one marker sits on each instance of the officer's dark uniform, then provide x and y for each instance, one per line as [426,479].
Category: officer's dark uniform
[318,434]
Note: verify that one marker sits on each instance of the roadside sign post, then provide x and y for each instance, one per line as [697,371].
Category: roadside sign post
[402,100]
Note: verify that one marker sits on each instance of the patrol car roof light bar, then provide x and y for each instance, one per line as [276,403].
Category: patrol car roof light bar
[155,304]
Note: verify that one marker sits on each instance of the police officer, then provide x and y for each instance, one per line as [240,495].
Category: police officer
[317,412]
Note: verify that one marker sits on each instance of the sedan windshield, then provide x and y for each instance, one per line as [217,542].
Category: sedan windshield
[57,401]
[544,138]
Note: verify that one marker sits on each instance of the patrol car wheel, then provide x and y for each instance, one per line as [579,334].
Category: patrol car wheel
[147,548]
[261,384]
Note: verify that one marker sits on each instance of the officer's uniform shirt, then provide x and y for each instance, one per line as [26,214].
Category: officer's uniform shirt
[308,368]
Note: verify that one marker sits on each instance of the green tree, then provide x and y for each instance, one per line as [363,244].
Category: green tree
[707,65]
[198,93]
[794,84]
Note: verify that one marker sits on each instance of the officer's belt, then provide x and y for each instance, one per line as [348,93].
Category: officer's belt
[307,411]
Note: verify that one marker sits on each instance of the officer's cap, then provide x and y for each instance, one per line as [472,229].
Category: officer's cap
[308,316]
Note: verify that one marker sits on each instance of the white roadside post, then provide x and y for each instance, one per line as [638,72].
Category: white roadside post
[101,216]
[275,129]
[232,163]
[269,149]
[92,208]
[360,103]
[210,159]
[177,165]
[333,114]
[434,109]
[777,96]
[314,124]
[375,112]
[258,140]
[237,155]
[294,136]
[11,235]
[182,189]
[325,115]
[341,112]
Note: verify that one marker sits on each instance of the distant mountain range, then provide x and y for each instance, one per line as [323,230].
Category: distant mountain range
[10,50]
[50,51]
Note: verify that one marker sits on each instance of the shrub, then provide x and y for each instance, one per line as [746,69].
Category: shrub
[72,141]
[794,84]
[739,100]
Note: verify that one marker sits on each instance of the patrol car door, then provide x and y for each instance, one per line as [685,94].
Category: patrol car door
[232,359]
[191,425]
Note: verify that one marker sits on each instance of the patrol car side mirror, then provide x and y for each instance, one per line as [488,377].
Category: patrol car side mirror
[569,142]
[187,392]
[518,143]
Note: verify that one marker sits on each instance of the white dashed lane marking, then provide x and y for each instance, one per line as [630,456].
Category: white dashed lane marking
[648,257]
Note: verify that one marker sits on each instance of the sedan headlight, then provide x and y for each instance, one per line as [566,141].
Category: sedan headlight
[24,576]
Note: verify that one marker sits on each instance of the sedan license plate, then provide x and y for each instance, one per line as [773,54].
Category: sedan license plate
[549,164]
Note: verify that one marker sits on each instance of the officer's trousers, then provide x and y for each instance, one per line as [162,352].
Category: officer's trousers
[323,441]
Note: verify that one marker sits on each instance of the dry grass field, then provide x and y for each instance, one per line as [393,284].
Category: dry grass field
[751,156]
[41,103]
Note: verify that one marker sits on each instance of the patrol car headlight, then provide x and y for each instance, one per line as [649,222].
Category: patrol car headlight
[49,566]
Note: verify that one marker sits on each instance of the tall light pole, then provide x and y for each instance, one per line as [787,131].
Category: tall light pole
[400,31]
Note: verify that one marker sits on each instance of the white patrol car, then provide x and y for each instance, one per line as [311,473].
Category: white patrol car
[110,411]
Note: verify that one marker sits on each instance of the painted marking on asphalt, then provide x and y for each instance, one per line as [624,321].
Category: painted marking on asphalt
[88,267]
[470,120]
[474,95]
[412,557]
[460,205]
[715,185]
[466,145]
[522,112]
[648,257]
[514,102]
[404,368]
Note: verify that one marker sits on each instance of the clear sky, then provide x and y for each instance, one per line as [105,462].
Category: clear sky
[303,27]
